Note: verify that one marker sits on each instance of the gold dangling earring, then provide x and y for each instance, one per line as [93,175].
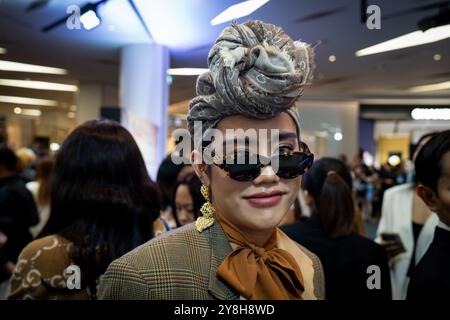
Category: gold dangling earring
[207,210]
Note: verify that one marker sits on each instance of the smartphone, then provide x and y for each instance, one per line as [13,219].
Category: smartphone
[393,239]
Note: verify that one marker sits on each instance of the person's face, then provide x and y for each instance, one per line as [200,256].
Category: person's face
[184,172]
[440,202]
[443,189]
[184,205]
[259,205]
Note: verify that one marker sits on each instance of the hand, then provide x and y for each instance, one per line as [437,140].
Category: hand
[393,248]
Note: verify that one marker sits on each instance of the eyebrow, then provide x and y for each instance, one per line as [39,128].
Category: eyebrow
[287,135]
[284,135]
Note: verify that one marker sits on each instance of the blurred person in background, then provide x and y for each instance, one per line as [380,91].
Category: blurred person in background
[404,214]
[103,204]
[430,279]
[41,189]
[26,163]
[169,174]
[188,199]
[332,234]
[17,214]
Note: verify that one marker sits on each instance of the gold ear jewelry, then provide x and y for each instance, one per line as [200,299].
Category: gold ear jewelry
[207,219]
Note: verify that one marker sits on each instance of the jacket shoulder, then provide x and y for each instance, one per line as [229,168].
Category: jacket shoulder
[169,266]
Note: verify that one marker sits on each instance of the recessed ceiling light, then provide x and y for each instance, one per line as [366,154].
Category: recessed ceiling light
[28,112]
[186,71]
[412,39]
[30,101]
[39,85]
[25,67]
[437,57]
[89,20]
[238,10]
[431,87]
[54,146]
[332,58]
[338,136]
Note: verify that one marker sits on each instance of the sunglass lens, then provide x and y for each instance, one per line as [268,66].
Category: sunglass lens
[294,165]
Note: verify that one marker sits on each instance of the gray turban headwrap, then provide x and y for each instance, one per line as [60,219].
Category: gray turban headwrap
[255,70]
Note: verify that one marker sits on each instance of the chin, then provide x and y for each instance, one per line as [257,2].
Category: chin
[267,218]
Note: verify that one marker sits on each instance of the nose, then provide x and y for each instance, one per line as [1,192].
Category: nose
[267,176]
[182,217]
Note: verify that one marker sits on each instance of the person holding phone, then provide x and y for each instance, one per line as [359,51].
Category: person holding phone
[235,249]
[406,229]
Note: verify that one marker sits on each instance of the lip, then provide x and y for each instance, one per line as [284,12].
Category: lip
[265,199]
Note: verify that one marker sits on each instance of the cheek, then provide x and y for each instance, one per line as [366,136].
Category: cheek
[293,185]
[225,190]
[444,193]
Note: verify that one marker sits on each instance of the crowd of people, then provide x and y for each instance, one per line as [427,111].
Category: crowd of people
[223,229]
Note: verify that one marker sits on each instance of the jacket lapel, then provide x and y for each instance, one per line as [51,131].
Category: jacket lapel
[220,248]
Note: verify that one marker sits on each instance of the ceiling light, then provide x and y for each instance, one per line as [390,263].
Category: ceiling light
[394,160]
[32,101]
[338,136]
[89,20]
[437,57]
[73,108]
[332,58]
[3,50]
[40,85]
[186,71]
[238,10]
[25,67]
[430,114]
[54,146]
[28,112]
[71,115]
[412,39]
[431,87]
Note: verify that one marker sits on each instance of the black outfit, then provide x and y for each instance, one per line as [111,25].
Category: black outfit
[431,279]
[17,214]
[345,261]
[417,228]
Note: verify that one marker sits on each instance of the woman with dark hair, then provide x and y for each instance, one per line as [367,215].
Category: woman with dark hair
[188,199]
[331,233]
[103,204]
[169,174]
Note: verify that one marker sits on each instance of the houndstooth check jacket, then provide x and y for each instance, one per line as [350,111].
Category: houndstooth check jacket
[180,264]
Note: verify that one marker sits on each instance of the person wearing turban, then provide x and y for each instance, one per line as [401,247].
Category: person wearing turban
[235,250]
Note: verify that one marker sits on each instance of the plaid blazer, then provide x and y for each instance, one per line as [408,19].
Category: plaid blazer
[180,264]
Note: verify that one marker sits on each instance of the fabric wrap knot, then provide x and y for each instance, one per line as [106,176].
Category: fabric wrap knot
[260,273]
[255,70]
